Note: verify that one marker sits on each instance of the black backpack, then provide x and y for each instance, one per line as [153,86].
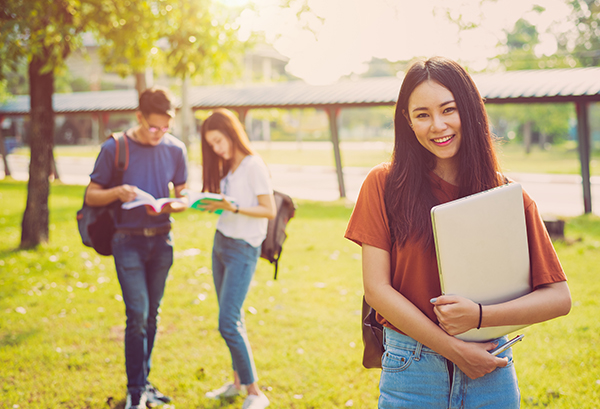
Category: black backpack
[271,247]
[96,224]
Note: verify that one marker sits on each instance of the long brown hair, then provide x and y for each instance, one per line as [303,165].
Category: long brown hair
[215,168]
[408,194]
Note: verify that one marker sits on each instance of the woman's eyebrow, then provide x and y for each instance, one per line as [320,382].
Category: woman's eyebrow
[441,105]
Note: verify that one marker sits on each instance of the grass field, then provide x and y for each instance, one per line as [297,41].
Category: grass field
[62,318]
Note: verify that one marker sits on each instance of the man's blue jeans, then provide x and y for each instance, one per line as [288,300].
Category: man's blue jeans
[142,265]
[233,265]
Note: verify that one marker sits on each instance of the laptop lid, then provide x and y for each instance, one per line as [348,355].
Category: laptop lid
[482,252]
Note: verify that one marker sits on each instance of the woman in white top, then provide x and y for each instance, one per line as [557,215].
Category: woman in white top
[232,168]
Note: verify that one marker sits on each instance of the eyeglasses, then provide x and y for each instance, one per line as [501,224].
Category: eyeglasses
[154,129]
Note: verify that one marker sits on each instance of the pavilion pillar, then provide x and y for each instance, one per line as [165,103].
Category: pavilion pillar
[334,113]
[242,112]
[583,135]
[96,120]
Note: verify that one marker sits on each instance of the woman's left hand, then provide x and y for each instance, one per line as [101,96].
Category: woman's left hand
[213,205]
[455,314]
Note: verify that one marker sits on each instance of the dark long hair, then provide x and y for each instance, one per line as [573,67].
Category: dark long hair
[214,168]
[408,194]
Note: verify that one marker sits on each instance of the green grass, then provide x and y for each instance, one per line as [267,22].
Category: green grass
[62,318]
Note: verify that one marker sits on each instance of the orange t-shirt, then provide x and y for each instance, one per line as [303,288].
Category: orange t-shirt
[414,269]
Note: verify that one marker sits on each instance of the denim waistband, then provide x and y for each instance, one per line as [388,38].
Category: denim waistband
[394,339]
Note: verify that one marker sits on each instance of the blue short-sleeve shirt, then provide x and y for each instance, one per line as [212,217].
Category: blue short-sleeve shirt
[151,168]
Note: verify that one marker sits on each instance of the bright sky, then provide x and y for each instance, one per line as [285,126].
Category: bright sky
[354,31]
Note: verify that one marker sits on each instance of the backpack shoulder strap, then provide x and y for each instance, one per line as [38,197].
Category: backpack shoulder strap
[121,164]
[122,151]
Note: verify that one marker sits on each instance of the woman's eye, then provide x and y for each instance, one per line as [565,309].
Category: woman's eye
[450,109]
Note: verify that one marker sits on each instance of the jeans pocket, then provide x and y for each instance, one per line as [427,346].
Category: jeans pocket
[396,360]
[510,359]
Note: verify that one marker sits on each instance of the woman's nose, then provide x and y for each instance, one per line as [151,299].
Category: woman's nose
[438,123]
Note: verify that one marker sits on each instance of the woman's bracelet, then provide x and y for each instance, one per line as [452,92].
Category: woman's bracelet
[237,208]
[480,315]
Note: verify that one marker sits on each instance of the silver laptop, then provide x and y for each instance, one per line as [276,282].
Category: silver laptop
[482,253]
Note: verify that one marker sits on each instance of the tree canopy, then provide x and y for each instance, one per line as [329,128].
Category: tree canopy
[42,34]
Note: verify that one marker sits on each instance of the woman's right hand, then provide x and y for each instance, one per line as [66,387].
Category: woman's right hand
[474,359]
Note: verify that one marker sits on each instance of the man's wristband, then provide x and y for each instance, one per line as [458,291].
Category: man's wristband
[480,316]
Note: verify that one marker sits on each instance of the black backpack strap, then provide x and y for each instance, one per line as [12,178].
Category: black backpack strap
[121,157]
[276,263]
[121,164]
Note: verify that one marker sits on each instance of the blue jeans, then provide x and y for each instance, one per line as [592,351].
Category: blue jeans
[233,265]
[414,376]
[142,265]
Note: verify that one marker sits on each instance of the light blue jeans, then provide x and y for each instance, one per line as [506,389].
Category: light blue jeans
[414,376]
[233,264]
[142,265]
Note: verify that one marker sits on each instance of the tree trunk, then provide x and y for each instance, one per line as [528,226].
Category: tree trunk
[544,140]
[185,112]
[527,136]
[36,217]
[3,152]
[140,82]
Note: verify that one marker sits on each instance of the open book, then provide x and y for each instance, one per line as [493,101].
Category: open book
[146,199]
[199,199]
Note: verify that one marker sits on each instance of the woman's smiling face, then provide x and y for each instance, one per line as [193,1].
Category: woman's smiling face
[434,118]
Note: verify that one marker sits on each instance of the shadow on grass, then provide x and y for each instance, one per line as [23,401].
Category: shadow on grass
[113,403]
[14,339]
[7,252]
[223,403]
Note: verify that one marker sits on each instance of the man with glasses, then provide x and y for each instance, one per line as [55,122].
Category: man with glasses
[142,245]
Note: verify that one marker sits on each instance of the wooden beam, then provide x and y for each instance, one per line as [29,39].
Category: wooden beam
[333,112]
[583,134]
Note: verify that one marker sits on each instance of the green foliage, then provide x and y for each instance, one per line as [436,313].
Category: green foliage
[4,94]
[201,40]
[520,45]
[179,38]
[62,318]
[552,119]
[584,42]
[128,33]
[48,30]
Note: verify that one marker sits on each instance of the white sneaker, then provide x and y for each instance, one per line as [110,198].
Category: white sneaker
[226,391]
[256,402]
[137,400]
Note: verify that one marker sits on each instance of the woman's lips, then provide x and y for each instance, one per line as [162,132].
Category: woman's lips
[443,140]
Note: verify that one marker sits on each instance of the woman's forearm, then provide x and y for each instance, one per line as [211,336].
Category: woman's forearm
[545,303]
[256,211]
